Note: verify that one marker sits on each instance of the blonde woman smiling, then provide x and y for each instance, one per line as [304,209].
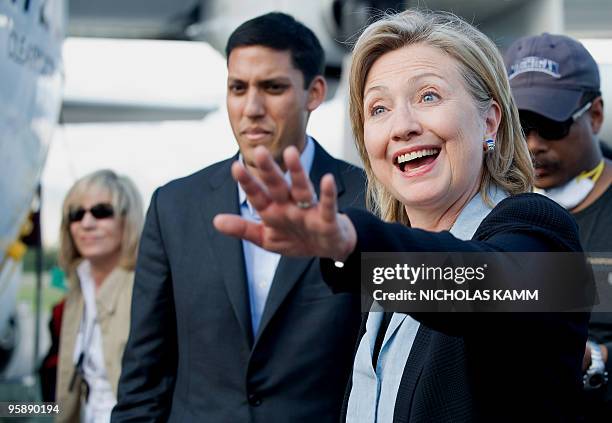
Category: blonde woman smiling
[101,224]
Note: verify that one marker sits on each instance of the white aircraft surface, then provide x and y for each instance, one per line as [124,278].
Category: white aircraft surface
[31,35]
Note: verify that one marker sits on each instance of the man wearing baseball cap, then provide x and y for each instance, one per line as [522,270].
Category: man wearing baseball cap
[555,82]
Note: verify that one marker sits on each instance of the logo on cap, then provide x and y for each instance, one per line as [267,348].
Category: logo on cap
[535,64]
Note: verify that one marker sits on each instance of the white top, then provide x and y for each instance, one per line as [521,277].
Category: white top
[101,400]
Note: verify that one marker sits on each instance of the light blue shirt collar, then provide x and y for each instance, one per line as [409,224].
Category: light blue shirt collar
[474,213]
[306,159]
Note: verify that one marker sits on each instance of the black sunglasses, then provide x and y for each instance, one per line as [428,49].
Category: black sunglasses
[547,128]
[99,211]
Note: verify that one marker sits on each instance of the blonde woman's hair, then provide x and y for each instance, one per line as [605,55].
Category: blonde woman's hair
[484,74]
[126,202]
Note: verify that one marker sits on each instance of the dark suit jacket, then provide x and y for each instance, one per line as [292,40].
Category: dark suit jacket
[191,355]
[483,367]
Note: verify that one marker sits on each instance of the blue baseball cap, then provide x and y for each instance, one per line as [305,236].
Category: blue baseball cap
[549,74]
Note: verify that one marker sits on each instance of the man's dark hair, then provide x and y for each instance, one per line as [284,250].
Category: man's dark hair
[282,32]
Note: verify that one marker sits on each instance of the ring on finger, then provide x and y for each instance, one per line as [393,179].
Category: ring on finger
[304,204]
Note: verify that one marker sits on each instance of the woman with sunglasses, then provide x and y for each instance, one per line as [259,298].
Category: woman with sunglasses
[102,218]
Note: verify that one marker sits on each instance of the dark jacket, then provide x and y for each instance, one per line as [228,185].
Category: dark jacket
[488,367]
[191,354]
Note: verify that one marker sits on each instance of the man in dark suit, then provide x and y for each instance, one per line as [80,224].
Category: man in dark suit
[221,330]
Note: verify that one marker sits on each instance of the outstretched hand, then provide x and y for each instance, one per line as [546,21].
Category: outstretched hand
[293,222]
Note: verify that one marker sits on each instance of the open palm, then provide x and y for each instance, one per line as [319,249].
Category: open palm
[292,221]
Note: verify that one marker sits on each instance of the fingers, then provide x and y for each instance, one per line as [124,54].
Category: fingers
[255,191]
[236,226]
[301,187]
[271,176]
[328,201]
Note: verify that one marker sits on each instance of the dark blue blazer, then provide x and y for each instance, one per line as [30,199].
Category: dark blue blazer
[483,367]
[191,354]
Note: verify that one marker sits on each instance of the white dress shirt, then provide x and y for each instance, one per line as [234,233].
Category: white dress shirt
[101,399]
[261,264]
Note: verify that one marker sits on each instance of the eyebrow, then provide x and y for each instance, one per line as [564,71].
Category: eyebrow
[380,88]
[275,80]
[411,80]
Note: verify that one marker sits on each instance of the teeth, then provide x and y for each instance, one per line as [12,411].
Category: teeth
[416,154]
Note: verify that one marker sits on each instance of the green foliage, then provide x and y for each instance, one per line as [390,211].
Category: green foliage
[49,259]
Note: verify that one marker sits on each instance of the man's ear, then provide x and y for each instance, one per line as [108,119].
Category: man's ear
[597,115]
[492,120]
[316,92]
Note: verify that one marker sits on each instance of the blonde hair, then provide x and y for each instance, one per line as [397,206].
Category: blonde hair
[127,204]
[482,68]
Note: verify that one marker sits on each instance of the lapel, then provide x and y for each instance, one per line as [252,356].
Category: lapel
[223,198]
[108,294]
[412,373]
[291,269]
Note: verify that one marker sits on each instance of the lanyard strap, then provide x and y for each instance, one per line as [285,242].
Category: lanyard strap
[85,344]
[594,173]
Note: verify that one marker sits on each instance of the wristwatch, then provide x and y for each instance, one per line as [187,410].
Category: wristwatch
[596,375]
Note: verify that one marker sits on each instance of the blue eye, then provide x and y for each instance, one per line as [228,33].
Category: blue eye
[376,110]
[429,96]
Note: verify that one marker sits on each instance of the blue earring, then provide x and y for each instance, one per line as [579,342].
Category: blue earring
[489,144]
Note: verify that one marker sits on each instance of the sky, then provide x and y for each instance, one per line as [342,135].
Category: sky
[190,74]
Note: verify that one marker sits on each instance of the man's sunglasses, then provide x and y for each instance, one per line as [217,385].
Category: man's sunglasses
[99,211]
[547,128]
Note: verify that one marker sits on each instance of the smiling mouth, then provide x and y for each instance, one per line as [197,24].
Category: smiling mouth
[416,159]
